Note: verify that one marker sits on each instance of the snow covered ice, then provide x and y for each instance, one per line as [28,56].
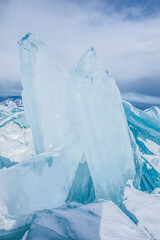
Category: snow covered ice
[146,208]
[145,126]
[103,220]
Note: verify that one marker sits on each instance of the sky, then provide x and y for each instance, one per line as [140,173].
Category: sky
[124,33]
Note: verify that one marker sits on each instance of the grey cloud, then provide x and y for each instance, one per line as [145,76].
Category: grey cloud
[146,86]
[129,49]
[10,87]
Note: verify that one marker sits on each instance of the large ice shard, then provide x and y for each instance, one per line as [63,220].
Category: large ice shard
[45,84]
[102,127]
[41,182]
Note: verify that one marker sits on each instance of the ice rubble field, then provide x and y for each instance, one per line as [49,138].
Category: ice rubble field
[99,220]
[75,161]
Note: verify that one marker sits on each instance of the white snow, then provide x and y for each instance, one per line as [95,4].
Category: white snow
[146,208]
[154,112]
[152,146]
[154,160]
[16,143]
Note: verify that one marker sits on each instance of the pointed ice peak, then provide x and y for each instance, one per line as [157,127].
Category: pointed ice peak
[30,41]
[89,62]
[91,52]
[154,112]
[26,36]
[89,55]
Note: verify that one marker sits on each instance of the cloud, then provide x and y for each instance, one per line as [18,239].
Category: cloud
[126,40]
[148,85]
[10,87]
[140,98]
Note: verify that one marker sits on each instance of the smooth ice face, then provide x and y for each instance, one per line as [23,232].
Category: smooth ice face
[102,127]
[82,189]
[39,183]
[45,98]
